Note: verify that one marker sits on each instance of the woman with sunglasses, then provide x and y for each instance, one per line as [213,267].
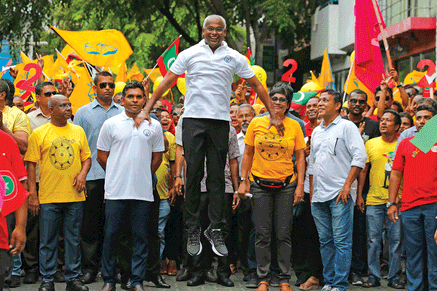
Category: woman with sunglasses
[268,173]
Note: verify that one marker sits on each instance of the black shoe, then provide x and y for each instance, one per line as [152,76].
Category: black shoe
[88,278]
[274,282]
[125,285]
[196,281]
[215,237]
[59,277]
[252,281]
[76,284]
[47,286]
[224,281]
[183,275]
[158,281]
[211,276]
[194,246]
[356,279]
[15,281]
[30,278]
[108,287]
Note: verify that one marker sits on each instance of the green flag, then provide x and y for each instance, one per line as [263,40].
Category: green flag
[303,97]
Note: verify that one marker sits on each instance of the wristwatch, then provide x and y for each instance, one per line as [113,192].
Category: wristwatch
[243,179]
[388,204]
[400,85]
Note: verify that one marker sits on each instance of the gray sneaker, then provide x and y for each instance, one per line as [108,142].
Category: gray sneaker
[194,246]
[215,237]
[327,288]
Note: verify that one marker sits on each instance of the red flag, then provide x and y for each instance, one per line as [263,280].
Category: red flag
[369,67]
[168,57]
[15,193]
[249,57]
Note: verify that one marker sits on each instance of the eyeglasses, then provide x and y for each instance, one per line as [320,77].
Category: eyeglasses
[176,113]
[218,29]
[104,84]
[281,99]
[48,94]
[65,105]
[355,101]
[386,98]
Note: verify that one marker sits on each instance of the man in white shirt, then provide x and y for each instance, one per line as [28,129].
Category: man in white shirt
[210,66]
[129,155]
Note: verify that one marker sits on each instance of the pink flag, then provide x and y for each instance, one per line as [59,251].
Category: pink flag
[369,67]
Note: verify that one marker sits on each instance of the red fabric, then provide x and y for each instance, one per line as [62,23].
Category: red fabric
[12,169]
[374,117]
[4,236]
[419,174]
[308,129]
[368,60]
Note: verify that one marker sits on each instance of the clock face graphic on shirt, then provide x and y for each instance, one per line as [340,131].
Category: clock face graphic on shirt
[272,146]
[61,153]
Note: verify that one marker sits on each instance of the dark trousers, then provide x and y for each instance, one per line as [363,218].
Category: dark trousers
[5,263]
[245,225]
[92,227]
[173,231]
[153,264]
[202,262]
[115,211]
[205,138]
[306,257]
[359,243]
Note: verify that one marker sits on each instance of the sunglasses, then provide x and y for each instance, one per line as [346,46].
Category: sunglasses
[386,98]
[281,99]
[104,84]
[355,101]
[48,94]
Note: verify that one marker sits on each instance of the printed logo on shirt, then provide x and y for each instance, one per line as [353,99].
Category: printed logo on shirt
[387,168]
[147,132]
[62,153]
[434,149]
[228,59]
[10,181]
[416,151]
[272,146]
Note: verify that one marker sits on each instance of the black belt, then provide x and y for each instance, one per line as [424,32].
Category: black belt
[270,184]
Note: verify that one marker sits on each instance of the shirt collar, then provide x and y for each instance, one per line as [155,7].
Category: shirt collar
[124,116]
[96,103]
[335,121]
[39,112]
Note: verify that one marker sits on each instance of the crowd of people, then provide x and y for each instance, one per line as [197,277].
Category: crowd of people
[133,188]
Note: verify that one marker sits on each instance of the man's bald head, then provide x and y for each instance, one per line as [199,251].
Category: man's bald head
[56,100]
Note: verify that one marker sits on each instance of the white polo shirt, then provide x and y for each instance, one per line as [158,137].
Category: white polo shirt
[128,173]
[209,77]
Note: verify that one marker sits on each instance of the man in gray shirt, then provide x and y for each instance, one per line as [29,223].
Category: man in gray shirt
[337,156]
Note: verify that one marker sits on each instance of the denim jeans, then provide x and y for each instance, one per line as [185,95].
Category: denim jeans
[164,212]
[334,224]
[376,219]
[419,225]
[50,217]
[115,210]
[16,270]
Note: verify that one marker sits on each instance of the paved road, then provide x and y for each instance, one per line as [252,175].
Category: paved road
[182,286]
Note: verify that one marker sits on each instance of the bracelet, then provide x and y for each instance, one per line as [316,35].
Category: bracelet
[243,179]
[176,176]
[400,85]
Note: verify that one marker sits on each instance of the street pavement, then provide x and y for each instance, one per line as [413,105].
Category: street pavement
[182,286]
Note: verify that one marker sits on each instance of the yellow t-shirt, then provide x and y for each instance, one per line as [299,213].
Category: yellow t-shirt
[15,119]
[380,155]
[60,152]
[273,155]
[164,169]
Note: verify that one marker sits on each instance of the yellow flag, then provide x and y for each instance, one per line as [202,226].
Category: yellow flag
[67,50]
[134,74]
[315,80]
[413,78]
[61,69]
[24,75]
[121,74]
[155,74]
[83,92]
[325,76]
[104,48]
[352,82]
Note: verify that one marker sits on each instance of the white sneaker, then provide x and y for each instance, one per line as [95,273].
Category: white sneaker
[327,288]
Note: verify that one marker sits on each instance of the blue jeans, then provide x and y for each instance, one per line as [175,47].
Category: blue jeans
[164,213]
[115,210]
[16,270]
[50,216]
[334,224]
[376,217]
[419,225]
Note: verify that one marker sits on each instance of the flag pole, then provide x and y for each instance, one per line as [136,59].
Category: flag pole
[347,79]
[384,37]
[66,61]
[151,71]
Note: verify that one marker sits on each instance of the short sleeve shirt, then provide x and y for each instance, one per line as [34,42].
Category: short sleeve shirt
[209,76]
[16,120]
[163,172]
[273,156]
[419,174]
[60,152]
[128,172]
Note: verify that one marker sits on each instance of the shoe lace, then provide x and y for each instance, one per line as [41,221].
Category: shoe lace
[194,236]
[217,237]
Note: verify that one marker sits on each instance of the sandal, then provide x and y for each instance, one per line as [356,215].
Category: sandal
[164,266]
[285,287]
[396,284]
[371,282]
[233,268]
[263,286]
[311,284]
[172,269]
